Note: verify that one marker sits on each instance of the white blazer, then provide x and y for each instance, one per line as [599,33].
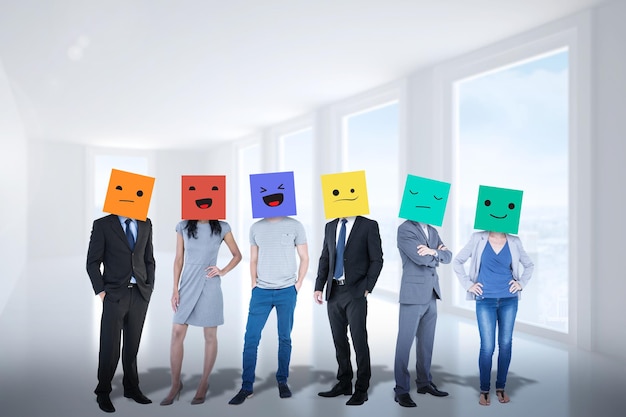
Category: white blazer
[474,249]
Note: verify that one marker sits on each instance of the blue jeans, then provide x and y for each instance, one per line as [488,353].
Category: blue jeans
[261,304]
[491,312]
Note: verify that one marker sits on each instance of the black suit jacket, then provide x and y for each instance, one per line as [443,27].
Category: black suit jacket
[108,246]
[363,257]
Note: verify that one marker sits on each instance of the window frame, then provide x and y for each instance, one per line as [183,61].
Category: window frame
[243,235]
[574,34]
[394,92]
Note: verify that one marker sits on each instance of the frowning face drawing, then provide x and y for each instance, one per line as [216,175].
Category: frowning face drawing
[424,200]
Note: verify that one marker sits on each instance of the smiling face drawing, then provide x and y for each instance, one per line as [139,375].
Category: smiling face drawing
[345,194]
[273,194]
[203,197]
[424,200]
[498,209]
[128,194]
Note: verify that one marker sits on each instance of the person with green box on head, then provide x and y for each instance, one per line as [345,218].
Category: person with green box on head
[494,280]
[422,251]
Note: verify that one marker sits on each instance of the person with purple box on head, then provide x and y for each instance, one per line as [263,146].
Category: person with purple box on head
[276,279]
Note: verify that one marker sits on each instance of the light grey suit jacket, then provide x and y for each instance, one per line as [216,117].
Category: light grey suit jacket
[419,273]
[474,249]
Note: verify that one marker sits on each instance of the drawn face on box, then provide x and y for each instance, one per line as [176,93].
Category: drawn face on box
[128,194]
[498,209]
[203,197]
[273,194]
[424,200]
[345,194]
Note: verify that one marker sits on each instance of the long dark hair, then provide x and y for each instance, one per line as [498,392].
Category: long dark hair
[192,228]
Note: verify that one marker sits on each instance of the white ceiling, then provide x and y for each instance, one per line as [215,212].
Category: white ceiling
[179,73]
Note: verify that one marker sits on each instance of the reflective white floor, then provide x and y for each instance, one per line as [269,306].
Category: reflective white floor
[48,357]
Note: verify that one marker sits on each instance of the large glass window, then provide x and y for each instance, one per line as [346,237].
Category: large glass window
[296,154]
[249,163]
[512,132]
[371,144]
[296,150]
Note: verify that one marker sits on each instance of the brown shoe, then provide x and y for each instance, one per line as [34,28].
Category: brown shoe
[502,396]
[484,398]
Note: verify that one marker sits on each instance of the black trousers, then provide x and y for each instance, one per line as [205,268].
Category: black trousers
[344,311]
[123,315]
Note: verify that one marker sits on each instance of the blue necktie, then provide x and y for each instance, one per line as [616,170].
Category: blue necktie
[341,246]
[129,235]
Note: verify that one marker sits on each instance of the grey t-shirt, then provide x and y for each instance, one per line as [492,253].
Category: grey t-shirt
[276,267]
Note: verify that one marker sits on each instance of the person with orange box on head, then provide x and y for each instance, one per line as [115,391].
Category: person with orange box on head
[122,243]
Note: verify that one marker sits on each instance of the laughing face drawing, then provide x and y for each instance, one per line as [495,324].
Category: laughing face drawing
[203,197]
[273,194]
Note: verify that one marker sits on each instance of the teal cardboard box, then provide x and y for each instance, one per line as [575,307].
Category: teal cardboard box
[424,200]
[498,209]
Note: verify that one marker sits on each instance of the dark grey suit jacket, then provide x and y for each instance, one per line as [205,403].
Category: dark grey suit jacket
[108,246]
[419,273]
[363,257]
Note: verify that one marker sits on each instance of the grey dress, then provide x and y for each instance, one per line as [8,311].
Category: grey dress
[201,302]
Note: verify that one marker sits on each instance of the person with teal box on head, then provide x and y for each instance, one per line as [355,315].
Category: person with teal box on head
[421,249]
[494,280]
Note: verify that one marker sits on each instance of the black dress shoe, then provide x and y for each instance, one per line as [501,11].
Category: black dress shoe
[405,400]
[105,404]
[138,397]
[283,390]
[240,397]
[358,398]
[337,390]
[432,390]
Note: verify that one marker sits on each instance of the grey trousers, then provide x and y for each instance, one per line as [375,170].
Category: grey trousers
[416,322]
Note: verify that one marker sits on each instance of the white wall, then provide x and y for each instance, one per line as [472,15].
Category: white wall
[599,315]
[221,160]
[56,200]
[13,189]
[599,326]
[608,284]
[169,166]
[165,206]
[45,181]
[57,184]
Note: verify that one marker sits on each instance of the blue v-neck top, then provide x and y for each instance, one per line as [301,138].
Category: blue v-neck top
[495,272]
